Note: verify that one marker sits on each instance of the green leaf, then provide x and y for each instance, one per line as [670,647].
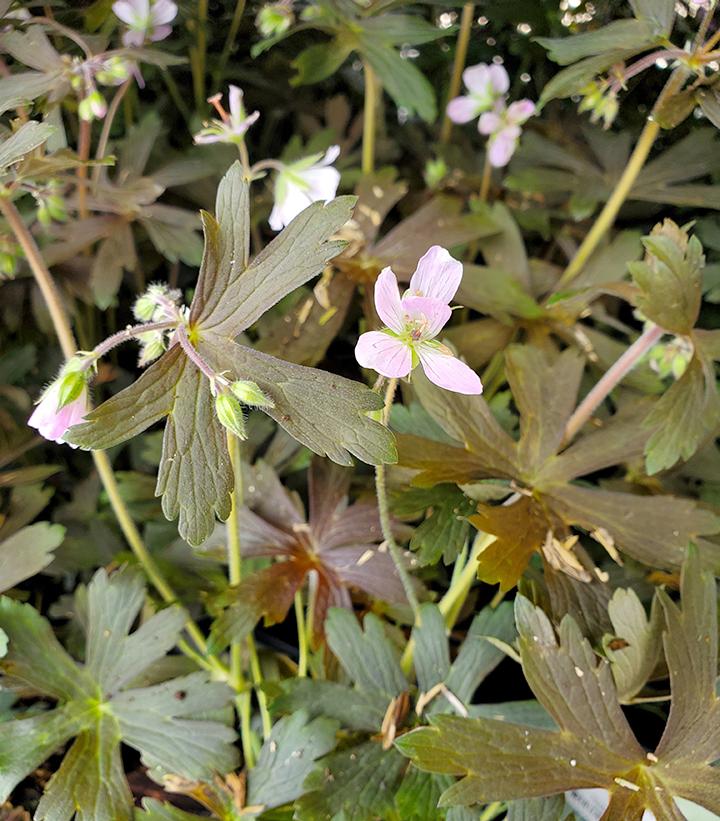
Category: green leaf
[231,296]
[573,79]
[402,80]
[287,757]
[538,809]
[135,408]
[367,657]
[403,29]
[20,89]
[445,530]
[670,278]
[114,256]
[683,417]
[26,139]
[660,13]
[320,61]
[354,784]
[195,476]
[27,552]
[95,706]
[432,654]
[418,795]
[632,35]
[356,709]
[633,649]
[496,293]
[325,412]
[156,811]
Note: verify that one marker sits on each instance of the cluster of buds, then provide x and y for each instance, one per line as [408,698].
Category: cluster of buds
[84,76]
[158,304]
[599,97]
[9,252]
[275,18]
[230,398]
[670,359]
[65,401]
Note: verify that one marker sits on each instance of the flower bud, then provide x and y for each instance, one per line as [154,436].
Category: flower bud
[152,346]
[8,264]
[114,71]
[250,394]
[71,384]
[230,414]
[92,107]
[274,19]
[144,308]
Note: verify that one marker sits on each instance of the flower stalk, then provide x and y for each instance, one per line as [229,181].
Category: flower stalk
[461,50]
[372,87]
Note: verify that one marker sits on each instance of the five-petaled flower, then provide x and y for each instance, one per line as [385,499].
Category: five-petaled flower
[414,321]
[502,126]
[299,184]
[52,419]
[486,85]
[145,19]
[231,127]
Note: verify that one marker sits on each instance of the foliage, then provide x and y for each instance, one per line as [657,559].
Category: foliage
[241,575]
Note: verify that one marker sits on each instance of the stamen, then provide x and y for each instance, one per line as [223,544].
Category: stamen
[215,102]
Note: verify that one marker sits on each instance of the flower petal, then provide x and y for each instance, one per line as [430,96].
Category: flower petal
[323,183]
[490,122]
[428,315]
[330,155]
[290,200]
[499,79]
[447,371]
[520,111]
[125,11]
[387,300]
[163,11]
[462,109]
[437,275]
[477,79]
[502,146]
[383,353]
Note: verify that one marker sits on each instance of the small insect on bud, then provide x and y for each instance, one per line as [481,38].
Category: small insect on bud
[249,393]
[230,413]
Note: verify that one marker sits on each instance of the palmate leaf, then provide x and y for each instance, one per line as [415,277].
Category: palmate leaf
[653,529]
[595,746]
[98,708]
[27,552]
[326,413]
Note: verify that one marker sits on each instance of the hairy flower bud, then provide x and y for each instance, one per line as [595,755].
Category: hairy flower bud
[230,414]
[92,107]
[250,394]
[274,19]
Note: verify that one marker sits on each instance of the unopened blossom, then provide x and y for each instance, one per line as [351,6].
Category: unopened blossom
[502,126]
[275,18]
[231,127]
[145,19]
[298,184]
[486,85]
[412,323]
[52,419]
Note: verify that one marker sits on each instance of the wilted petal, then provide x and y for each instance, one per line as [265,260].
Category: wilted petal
[462,109]
[437,275]
[383,353]
[387,301]
[429,316]
[520,111]
[447,371]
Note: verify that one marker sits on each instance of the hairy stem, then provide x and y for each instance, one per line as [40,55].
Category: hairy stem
[302,635]
[615,374]
[369,119]
[234,552]
[461,49]
[102,464]
[384,511]
[131,332]
[82,170]
[193,355]
[607,216]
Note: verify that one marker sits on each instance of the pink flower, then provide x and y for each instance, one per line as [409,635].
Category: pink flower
[414,321]
[486,85]
[230,128]
[53,422]
[145,19]
[503,127]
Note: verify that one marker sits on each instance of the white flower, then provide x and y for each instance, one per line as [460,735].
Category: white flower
[301,183]
[230,128]
[145,19]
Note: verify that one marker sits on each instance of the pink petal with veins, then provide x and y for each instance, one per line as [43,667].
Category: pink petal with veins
[428,315]
[387,300]
[437,275]
[447,371]
[383,353]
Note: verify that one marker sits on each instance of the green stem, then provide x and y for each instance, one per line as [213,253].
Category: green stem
[302,635]
[384,512]
[106,128]
[234,553]
[369,119]
[257,681]
[461,50]
[198,54]
[486,178]
[453,600]
[102,464]
[607,216]
[229,42]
